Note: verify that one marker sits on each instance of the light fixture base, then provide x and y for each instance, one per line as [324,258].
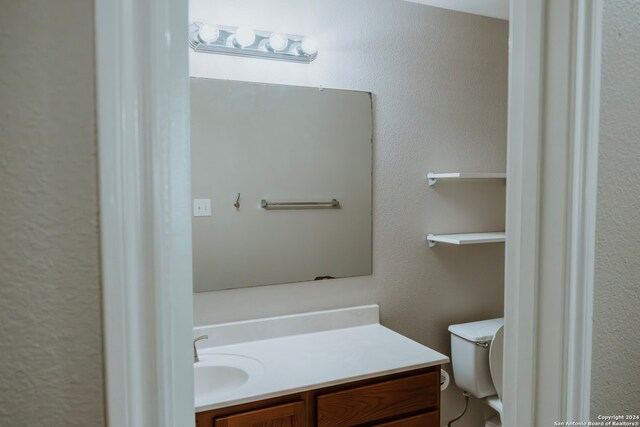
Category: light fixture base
[256,50]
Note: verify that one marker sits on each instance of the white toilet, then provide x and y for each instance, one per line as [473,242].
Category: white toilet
[476,356]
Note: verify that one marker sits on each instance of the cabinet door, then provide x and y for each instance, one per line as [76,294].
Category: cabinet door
[367,404]
[431,419]
[289,415]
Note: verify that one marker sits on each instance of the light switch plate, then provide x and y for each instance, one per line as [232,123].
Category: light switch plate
[201,207]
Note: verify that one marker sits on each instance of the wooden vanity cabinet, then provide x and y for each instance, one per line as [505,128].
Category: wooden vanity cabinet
[382,400]
[283,411]
[408,399]
[287,415]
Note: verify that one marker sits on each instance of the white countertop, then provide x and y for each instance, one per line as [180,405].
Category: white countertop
[310,360]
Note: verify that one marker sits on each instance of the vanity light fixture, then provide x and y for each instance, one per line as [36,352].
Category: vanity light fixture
[309,46]
[244,41]
[208,33]
[244,37]
[278,42]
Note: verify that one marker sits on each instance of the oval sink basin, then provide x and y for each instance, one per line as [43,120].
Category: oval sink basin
[219,374]
[218,379]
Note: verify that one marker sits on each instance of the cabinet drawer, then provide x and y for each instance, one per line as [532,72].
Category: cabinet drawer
[289,415]
[377,401]
[431,419]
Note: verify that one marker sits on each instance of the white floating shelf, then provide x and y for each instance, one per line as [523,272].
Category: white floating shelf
[466,239]
[432,177]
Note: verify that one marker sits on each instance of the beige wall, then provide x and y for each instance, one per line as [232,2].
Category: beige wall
[439,84]
[616,342]
[50,328]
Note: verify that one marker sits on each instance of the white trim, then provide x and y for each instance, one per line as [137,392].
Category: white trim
[577,386]
[143,129]
[523,210]
[551,192]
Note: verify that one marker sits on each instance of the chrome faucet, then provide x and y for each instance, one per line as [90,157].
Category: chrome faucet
[196,359]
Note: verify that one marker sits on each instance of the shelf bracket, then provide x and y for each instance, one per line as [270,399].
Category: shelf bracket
[431,181]
[430,241]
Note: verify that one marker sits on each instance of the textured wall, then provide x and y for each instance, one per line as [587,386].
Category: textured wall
[616,342]
[439,84]
[50,328]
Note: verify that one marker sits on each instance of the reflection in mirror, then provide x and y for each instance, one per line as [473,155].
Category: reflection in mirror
[281,182]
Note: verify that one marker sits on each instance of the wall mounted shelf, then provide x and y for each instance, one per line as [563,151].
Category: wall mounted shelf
[466,238]
[432,178]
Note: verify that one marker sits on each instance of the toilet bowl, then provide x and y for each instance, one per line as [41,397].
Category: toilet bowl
[476,356]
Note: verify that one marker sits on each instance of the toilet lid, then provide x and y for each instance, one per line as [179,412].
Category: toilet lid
[495,360]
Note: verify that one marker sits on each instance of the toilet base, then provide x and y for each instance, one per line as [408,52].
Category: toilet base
[492,411]
[493,422]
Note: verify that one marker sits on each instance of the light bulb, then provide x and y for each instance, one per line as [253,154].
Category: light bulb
[309,46]
[245,36]
[208,33]
[278,41]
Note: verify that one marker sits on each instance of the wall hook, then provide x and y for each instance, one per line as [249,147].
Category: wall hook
[237,203]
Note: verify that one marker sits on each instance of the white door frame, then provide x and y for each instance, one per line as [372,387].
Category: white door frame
[144,163]
[551,202]
[143,133]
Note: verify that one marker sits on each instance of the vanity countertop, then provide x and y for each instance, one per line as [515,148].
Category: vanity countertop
[310,351]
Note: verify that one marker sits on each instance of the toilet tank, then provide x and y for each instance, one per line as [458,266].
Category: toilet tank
[470,355]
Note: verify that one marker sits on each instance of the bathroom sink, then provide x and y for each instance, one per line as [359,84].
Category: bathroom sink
[218,379]
[219,374]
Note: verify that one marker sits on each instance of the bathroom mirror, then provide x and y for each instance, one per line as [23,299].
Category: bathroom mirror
[281,182]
